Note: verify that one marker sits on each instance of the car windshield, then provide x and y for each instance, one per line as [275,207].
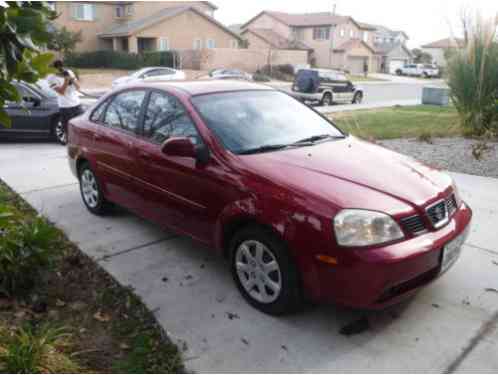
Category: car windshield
[262,120]
[43,87]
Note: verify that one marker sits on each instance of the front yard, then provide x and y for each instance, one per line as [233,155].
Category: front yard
[430,134]
[400,122]
[74,317]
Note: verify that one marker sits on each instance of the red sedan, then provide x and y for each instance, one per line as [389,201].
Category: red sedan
[300,208]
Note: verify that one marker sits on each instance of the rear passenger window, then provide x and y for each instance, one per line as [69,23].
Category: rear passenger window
[124,111]
[165,117]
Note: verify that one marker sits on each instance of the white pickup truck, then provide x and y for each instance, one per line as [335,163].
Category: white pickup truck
[419,70]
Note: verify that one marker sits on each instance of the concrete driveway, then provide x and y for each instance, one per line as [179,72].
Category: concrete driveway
[449,326]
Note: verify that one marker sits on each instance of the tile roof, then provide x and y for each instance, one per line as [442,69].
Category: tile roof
[446,43]
[132,27]
[351,43]
[304,19]
[278,41]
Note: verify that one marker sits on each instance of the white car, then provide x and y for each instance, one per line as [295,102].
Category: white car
[150,74]
[418,70]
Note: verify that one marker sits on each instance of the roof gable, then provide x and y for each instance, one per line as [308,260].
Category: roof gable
[304,19]
[133,27]
[446,43]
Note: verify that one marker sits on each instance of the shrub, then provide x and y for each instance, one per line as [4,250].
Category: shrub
[260,77]
[473,77]
[281,72]
[121,60]
[34,350]
[25,250]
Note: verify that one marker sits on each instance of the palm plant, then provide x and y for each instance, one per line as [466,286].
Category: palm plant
[473,76]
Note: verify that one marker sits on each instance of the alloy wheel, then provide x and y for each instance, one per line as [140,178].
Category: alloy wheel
[258,271]
[89,188]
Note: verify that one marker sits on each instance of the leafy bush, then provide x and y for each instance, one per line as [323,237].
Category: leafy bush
[260,77]
[25,250]
[473,77]
[283,72]
[34,350]
[120,60]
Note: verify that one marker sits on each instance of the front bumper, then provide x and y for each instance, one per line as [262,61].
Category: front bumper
[384,276]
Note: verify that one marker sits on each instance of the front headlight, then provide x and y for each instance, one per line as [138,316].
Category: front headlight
[357,228]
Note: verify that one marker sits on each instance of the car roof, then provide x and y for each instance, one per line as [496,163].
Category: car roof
[201,87]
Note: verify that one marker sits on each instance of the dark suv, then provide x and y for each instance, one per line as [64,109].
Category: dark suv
[326,87]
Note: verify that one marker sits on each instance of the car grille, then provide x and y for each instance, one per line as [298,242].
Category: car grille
[413,224]
[441,212]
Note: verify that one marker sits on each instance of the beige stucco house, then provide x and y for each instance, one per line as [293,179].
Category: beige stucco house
[140,26]
[439,48]
[334,41]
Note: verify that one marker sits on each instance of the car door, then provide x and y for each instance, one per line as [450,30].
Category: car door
[342,87]
[114,146]
[31,115]
[178,191]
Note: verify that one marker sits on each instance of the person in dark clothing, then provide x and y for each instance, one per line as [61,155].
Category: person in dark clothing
[365,68]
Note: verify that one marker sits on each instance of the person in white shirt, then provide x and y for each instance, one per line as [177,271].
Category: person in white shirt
[66,85]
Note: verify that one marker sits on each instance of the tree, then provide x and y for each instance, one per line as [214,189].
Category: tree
[421,57]
[64,41]
[23,33]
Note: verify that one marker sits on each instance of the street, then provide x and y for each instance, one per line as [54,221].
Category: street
[449,326]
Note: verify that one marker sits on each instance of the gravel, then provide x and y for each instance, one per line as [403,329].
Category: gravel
[452,154]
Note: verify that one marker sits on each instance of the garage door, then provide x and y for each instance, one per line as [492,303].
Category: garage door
[395,65]
[356,64]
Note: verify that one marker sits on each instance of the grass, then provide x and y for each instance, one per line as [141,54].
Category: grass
[422,122]
[77,318]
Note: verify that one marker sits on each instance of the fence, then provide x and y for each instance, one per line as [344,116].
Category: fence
[248,60]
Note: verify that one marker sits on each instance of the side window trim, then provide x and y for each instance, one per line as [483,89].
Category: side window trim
[146,106]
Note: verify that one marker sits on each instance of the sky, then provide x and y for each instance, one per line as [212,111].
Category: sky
[424,21]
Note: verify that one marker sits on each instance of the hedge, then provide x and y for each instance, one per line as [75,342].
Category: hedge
[121,60]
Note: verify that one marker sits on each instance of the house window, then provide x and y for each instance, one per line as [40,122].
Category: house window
[84,12]
[298,33]
[163,44]
[197,43]
[124,10]
[321,33]
[210,43]
[342,33]
[365,36]
[234,44]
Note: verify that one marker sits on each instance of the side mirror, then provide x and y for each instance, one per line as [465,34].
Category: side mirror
[34,101]
[183,147]
[179,146]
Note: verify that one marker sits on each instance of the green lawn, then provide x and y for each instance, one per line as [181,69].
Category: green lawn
[400,122]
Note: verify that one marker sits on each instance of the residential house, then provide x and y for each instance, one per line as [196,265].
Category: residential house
[137,26]
[334,41]
[390,46]
[438,49]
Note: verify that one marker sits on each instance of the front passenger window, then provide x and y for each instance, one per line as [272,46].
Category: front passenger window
[124,111]
[165,117]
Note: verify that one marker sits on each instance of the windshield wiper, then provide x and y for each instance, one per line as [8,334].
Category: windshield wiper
[317,138]
[265,148]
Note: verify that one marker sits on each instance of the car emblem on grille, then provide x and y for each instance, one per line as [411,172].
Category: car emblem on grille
[440,212]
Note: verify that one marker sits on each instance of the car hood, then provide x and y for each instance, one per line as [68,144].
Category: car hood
[353,173]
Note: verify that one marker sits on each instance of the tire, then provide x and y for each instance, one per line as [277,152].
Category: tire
[259,258]
[426,76]
[59,132]
[326,99]
[399,72]
[358,98]
[91,191]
